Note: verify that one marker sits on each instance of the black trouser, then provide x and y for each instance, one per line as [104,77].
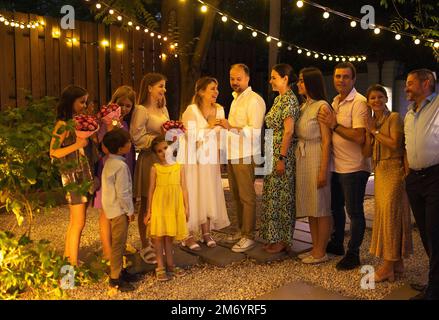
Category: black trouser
[347,190]
[423,192]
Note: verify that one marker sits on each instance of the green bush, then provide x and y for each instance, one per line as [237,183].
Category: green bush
[35,268]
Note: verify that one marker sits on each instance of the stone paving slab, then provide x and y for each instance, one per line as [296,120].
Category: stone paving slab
[218,256]
[300,247]
[302,236]
[181,258]
[402,293]
[299,290]
[261,256]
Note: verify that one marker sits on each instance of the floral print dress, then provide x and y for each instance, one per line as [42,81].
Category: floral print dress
[278,215]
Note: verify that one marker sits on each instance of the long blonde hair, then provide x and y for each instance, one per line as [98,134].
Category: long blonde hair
[201,85]
[150,79]
[128,93]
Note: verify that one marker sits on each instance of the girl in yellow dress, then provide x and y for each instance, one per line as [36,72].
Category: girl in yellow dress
[168,210]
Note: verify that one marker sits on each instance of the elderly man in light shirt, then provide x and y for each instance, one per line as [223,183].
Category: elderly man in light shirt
[421,129]
[246,118]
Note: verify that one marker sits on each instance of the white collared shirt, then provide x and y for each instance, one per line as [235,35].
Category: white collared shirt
[247,112]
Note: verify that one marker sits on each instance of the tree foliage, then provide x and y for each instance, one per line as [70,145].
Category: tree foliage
[416,15]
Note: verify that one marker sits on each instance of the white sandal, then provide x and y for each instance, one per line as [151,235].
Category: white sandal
[194,246]
[148,255]
[211,243]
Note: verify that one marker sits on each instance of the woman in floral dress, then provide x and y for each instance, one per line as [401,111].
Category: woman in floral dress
[278,216]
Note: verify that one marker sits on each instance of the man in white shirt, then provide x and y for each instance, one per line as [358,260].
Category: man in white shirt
[351,168]
[246,118]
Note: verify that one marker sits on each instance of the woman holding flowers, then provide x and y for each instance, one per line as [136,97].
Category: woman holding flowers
[68,147]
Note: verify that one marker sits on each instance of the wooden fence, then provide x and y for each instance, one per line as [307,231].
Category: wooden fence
[39,62]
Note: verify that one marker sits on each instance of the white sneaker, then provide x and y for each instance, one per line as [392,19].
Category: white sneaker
[243,245]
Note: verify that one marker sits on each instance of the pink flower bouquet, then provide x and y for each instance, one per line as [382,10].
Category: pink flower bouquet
[85,126]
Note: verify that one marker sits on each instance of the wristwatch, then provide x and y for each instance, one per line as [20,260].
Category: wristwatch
[282,157]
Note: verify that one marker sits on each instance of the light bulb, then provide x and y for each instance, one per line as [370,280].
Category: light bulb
[299,51]
[377,30]
[240,27]
[119,18]
[398,37]
[254,34]
[224,19]
[268,39]
[98,5]
[299,4]
[308,54]
[111,11]
[279,44]
[204,9]
[417,41]
[353,24]
[326,14]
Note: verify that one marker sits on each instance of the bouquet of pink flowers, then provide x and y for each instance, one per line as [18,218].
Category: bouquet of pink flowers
[174,126]
[110,114]
[85,126]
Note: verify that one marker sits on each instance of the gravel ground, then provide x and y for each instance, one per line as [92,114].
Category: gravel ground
[244,280]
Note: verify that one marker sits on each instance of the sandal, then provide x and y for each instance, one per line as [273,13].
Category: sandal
[148,255]
[207,238]
[191,244]
[175,271]
[161,275]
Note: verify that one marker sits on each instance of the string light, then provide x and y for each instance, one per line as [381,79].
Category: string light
[111,11]
[224,19]
[299,51]
[152,34]
[326,14]
[436,45]
[354,20]
[254,31]
[105,43]
[137,28]
[119,18]
[308,54]
[130,23]
[204,9]
[316,55]
[120,46]
[98,5]
[56,33]
[417,41]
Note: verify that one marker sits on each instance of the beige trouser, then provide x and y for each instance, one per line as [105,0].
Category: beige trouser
[119,234]
[242,184]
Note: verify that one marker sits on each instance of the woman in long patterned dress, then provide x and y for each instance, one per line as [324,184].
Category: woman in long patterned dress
[149,114]
[207,204]
[313,191]
[391,231]
[278,215]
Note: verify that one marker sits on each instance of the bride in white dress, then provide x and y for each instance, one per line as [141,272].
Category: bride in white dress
[199,151]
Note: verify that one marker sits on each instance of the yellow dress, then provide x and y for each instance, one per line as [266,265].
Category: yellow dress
[167,208]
